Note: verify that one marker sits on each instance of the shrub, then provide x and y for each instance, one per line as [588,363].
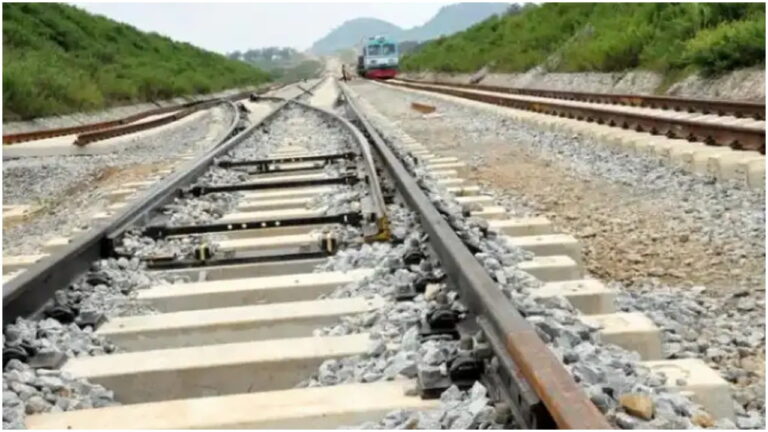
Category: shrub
[728,46]
[575,37]
[60,59]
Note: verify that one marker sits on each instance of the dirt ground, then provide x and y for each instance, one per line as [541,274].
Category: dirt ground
[623,236]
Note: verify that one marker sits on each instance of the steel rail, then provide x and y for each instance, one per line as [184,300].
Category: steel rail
[89,137]
[721,107]
[568,405]
[27,294]
[380,207]
[91,127]
[117,123]
[736,136]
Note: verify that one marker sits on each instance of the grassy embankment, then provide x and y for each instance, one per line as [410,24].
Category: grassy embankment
[59,59]
[710,38]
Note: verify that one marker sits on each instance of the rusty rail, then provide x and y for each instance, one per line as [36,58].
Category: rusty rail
[736,136]
[739,109]
[560,399]
[89,137]
[92,129]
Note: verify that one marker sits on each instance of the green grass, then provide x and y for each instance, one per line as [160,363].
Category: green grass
[577,37]
[59,59]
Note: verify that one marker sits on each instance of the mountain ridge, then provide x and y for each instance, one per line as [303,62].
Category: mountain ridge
[448,20]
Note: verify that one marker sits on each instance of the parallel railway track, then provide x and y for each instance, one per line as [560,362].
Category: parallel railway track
[652,114]
[227,347]
[753,110]
[92,132]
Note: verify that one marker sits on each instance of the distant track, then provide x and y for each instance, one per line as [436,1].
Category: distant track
[92,132]
[637,112]
[737,109]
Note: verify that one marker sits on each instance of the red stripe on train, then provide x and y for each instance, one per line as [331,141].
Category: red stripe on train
[381,73]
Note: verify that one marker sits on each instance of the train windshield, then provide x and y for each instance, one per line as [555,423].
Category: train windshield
[374,50]
[389,49]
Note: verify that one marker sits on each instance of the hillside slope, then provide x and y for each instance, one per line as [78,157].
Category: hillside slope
[448,20]
[59,59]
[575,37]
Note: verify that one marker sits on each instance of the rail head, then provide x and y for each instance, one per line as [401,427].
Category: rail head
[566,402]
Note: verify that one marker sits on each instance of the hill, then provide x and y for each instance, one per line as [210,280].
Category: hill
[59,59]
[351,32]
[449,19]
[575,37]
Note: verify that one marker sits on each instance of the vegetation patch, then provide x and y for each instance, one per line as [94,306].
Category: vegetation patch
[282,64]
[58,59]
[604,37]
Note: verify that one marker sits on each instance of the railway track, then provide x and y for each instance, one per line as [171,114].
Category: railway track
[717,123]
[753,110]
[320,252]
[85,134]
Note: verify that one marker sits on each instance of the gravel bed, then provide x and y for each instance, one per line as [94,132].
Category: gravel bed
[68,189]
[728,334]
[296,126]
[606,372]
[719,225]
[109,290]
[728,321]
[726,210]
[396,349]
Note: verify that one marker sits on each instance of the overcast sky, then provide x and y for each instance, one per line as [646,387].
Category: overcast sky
[225,27]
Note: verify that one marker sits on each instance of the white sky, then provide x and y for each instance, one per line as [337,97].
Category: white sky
[225,27]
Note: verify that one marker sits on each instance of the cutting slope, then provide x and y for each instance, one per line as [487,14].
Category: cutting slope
[576,37]
[59,59]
